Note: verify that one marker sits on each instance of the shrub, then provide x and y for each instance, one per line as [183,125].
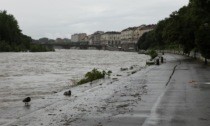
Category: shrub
[152,54]
[94,75]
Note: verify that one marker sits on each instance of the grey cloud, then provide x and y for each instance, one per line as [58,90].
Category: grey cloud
[54,18]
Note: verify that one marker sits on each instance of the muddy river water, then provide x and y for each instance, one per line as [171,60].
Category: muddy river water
[41,74]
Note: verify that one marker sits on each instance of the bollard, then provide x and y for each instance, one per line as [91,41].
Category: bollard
[161,59]
[157,62]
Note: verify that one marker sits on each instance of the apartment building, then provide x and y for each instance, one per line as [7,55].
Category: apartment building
[79,37]
[130,36]
[95,38]
[111,39]
[124,40]
[139,31]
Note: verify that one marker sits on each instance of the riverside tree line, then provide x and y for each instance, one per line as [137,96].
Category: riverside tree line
[187,29]
[11,37]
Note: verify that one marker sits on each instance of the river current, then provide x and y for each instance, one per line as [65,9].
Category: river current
[40,74]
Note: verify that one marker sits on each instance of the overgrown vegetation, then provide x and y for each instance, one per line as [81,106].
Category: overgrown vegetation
[94,75]
[186,29]
[152,54]
[11,37]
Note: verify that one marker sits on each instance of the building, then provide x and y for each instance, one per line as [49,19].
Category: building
[141,30]
[95,38]
[130,36]
[111,39]
[127,39]
[80,37]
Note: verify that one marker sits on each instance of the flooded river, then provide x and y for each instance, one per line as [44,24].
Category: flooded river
[41,74]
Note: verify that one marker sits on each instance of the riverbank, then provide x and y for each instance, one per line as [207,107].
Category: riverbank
[41,74]
[107,98]
[135,99]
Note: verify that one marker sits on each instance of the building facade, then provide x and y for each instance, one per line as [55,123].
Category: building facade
[139,31]
[80,37]
[130,36]
[111,39]
[125,40]
[95,38]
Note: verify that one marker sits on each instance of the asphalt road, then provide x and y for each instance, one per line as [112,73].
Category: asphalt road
[175,93]
[186,100]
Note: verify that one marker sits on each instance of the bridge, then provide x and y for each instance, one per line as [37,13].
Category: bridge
[69,45]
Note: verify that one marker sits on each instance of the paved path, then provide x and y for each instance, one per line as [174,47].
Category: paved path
[186,100]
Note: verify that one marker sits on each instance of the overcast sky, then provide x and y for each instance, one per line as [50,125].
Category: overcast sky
[61,18]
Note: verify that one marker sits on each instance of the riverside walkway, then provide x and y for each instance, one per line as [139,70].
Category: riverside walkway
[176,93]
[186,99]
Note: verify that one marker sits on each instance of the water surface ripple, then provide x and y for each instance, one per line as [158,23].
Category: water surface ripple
[40,74]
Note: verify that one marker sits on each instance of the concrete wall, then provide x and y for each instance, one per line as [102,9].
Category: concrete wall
[196,55]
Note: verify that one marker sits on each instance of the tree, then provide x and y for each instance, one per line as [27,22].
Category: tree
[147,41]
[180,29]
[9,28]
[203,41]
[11,38]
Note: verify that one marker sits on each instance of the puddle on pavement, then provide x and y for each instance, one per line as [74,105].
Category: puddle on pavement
[201,85]
[205,86]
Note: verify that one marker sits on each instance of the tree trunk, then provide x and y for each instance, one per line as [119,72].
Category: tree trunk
[206,61]
[195,55]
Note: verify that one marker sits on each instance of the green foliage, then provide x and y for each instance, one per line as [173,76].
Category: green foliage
[152,54]
[203,40]
[94,75]
[183,29]
[11,38]
[147,41]
[5,47]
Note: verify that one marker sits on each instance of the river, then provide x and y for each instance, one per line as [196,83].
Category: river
[40,74]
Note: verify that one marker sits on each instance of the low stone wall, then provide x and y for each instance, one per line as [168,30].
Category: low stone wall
[196,55]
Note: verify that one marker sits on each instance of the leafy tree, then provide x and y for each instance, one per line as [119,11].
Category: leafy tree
[11,38]
[159,34]
[187,29]
[147,41]
[203,41]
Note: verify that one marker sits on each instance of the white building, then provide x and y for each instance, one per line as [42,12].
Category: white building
[79,37]
[111,39]
[95,38]
[130,36]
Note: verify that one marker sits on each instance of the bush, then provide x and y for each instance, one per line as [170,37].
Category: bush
[94,75]
[152,54]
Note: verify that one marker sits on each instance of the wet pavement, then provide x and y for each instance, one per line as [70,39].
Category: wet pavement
[186,100]
[175,93]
